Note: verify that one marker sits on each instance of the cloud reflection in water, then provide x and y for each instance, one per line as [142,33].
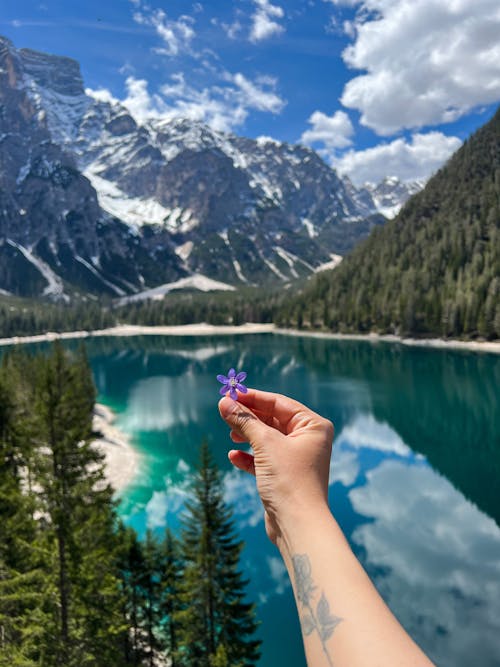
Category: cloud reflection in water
[365,431]
[157,403]
[241,493]
[440,558]
[170,501]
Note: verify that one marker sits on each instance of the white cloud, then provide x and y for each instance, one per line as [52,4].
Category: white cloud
[263,21]
[416,159]
[175,34]
[226,100]
[260,95]
[232,30]
[223,107]
[140,103]
[333,131]
[426,62]
[101,95]
[344,3]
[440,559]
[263,140]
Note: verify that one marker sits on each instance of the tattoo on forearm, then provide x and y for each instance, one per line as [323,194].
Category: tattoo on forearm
[321,620]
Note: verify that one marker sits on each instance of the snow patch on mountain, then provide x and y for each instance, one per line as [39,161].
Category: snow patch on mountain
[239,272]
[289,258]
[311,229]
[391,194]
[196,281]
[335,261]
[55,87]
[184,250]
[96,273]
[136,211]
[273,267]
[54,283]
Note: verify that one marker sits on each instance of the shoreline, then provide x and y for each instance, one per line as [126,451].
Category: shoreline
[440,343]
[203,329]
[122,461]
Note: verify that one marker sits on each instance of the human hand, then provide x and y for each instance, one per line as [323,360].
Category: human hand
[291,453]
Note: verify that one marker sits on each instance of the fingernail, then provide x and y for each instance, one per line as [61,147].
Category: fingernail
[227,407]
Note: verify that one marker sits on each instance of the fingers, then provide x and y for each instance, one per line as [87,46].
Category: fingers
[283,409]
[236,438]
[243,422]
[242,460]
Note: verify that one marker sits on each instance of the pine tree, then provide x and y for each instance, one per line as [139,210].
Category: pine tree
[132,568]
[80,517]
[22,585]
[216,621]
[170,592]
[151,583]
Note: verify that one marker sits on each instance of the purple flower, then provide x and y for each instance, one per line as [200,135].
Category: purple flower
[232,382]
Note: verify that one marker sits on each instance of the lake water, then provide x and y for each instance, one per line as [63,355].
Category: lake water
[414,475]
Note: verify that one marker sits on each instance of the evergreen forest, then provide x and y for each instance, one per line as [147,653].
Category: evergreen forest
[432,271]
[77,587]
[23,317]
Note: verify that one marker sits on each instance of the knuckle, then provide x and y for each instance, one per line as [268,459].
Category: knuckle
[242,418]
[329,428]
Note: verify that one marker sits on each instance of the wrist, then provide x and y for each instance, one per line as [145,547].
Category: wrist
[301,524]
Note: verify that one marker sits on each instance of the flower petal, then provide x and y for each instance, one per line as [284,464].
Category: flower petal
[233,393]
[223,379]
[223,390]
[242,388]
[241,376]
[231,373]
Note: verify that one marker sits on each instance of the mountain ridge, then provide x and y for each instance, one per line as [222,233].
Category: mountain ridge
[128,207]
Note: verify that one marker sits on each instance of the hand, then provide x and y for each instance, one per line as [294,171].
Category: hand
[292,447]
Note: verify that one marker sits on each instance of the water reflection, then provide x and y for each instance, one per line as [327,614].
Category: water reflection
[158,403]
[417,438]
[444,404]
[164,506]
[365,431]
[436,560]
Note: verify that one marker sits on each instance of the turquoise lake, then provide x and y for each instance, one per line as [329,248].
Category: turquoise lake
[415,471]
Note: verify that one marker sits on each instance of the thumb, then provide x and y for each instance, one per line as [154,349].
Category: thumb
[243,421]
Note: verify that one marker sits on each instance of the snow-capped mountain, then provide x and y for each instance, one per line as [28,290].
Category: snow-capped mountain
[390,194]
[91,201]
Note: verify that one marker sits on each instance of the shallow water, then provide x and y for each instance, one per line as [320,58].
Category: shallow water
[414,475]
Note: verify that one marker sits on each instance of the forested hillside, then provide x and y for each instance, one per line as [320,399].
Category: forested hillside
[76,586]
[433,270]
[23,317]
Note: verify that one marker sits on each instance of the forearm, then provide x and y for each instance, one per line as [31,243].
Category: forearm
[344,620]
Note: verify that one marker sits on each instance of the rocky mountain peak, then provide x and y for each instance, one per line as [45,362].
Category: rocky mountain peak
[129,205]
[390,194]
[59,74]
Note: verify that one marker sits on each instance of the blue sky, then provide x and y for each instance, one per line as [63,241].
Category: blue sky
[378,87]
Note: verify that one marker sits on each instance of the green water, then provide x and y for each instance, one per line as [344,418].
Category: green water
[414,475]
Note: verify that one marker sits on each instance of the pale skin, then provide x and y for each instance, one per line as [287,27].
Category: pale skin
[344,621]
